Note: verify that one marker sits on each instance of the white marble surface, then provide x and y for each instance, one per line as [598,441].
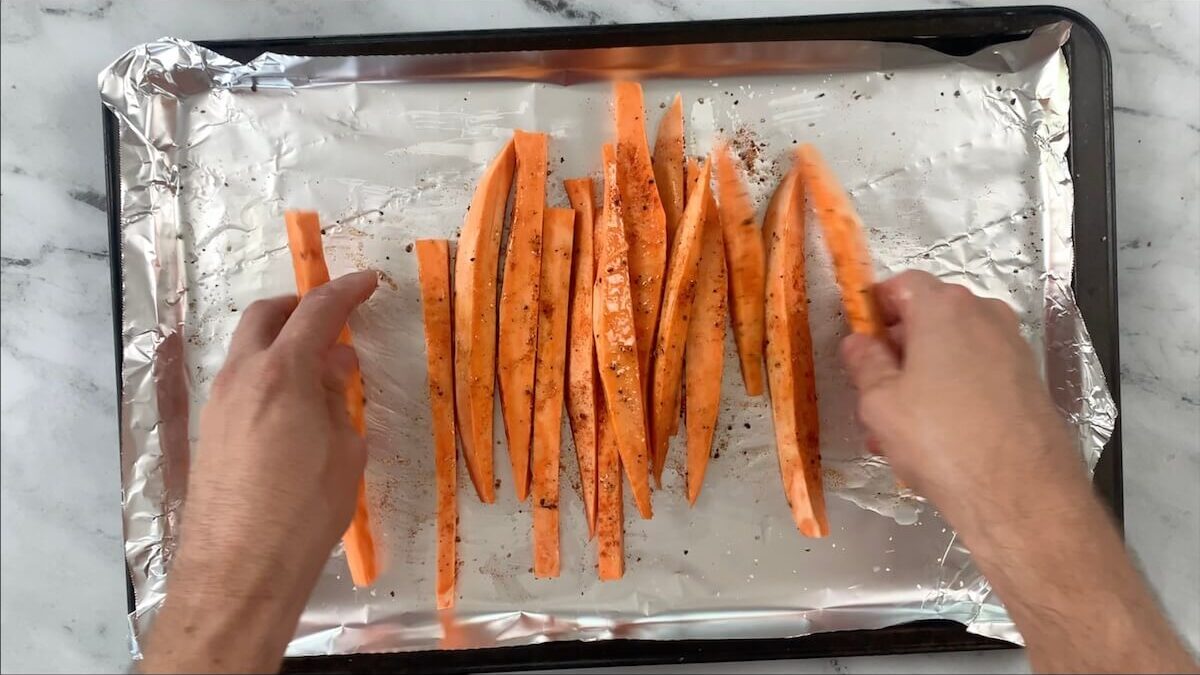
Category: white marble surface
[63,597]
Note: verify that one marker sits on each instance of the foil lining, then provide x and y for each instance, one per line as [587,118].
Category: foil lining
[958,164]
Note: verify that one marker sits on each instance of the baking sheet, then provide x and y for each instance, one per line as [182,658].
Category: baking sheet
[958,165]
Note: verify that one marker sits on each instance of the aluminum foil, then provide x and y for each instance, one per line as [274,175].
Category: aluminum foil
[957,164]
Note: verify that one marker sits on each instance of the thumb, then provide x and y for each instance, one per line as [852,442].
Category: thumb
[871,364]
[873,369]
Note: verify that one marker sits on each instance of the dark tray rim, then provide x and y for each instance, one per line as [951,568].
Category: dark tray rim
[957,31]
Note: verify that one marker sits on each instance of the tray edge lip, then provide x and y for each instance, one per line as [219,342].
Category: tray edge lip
[1077,19]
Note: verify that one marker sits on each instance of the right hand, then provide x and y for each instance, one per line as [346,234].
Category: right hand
[275,479]
[957,405]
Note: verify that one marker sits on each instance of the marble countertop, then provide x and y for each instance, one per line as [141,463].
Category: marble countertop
[62,605]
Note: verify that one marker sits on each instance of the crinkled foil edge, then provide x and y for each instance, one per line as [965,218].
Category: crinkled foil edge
[144,87]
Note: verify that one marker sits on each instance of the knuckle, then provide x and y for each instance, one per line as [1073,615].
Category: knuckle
[873,404]
[225,380]
[1004,312]
[959,294]
[259,311]
[274,366]
[320,295]
[917,276]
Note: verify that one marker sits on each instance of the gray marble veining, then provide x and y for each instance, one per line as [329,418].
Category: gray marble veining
[59,502]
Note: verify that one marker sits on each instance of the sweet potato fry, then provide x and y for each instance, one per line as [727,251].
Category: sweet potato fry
[475,266]
[581,359]
[745,259]
[846,242]
[676,316]
[691,167]
[616,340]
[433,261]
[790,360]
[610,518]
[308,261]
[668,167]
[704,355]
[553,296]
[519,303]
[643,216]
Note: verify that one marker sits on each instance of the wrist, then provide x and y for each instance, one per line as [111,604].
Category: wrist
[228,610]
[1030,518]
[1041,482]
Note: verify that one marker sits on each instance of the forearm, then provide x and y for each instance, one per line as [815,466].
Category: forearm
[1058,563]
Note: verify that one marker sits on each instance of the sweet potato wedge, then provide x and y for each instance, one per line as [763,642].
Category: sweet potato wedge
[433,263]
[475,267]
[519,303]
[555,289]
[668,167]
[643,216]
[704,355]
[581,359]
[745,258]
[691,167]
[616,340]
[610,505]
[846,241]
[675,318]
[790,360]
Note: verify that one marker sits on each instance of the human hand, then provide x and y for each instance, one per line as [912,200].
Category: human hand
[275,478]
[957,405]
[272,488]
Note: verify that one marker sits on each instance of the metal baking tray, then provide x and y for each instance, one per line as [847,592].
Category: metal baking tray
[956,32]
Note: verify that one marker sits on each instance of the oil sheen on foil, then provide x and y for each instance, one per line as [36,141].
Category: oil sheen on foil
[958,166]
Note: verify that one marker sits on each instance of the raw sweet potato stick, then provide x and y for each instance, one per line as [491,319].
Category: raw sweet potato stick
[616,340]
[675,318]
[704,355]
[581,360]
[668,167]
[790,360]
[643,216]
[474,303]
[549,380]
[669,176]
[433,264]
[846,241]
[610,504]
[691,167]
[519,303]
[745,259]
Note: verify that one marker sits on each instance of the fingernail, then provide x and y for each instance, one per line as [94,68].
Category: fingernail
[374,274]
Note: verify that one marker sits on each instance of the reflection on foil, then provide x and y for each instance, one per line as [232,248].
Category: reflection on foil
[957,164]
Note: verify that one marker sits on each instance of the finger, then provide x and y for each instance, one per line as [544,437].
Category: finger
[870,363]
[340,364]
[339,414]
[354,455]
[260,325]
[322,313]
[895,296]
[874,446]
[874,371]
[898,338]
[348,463]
